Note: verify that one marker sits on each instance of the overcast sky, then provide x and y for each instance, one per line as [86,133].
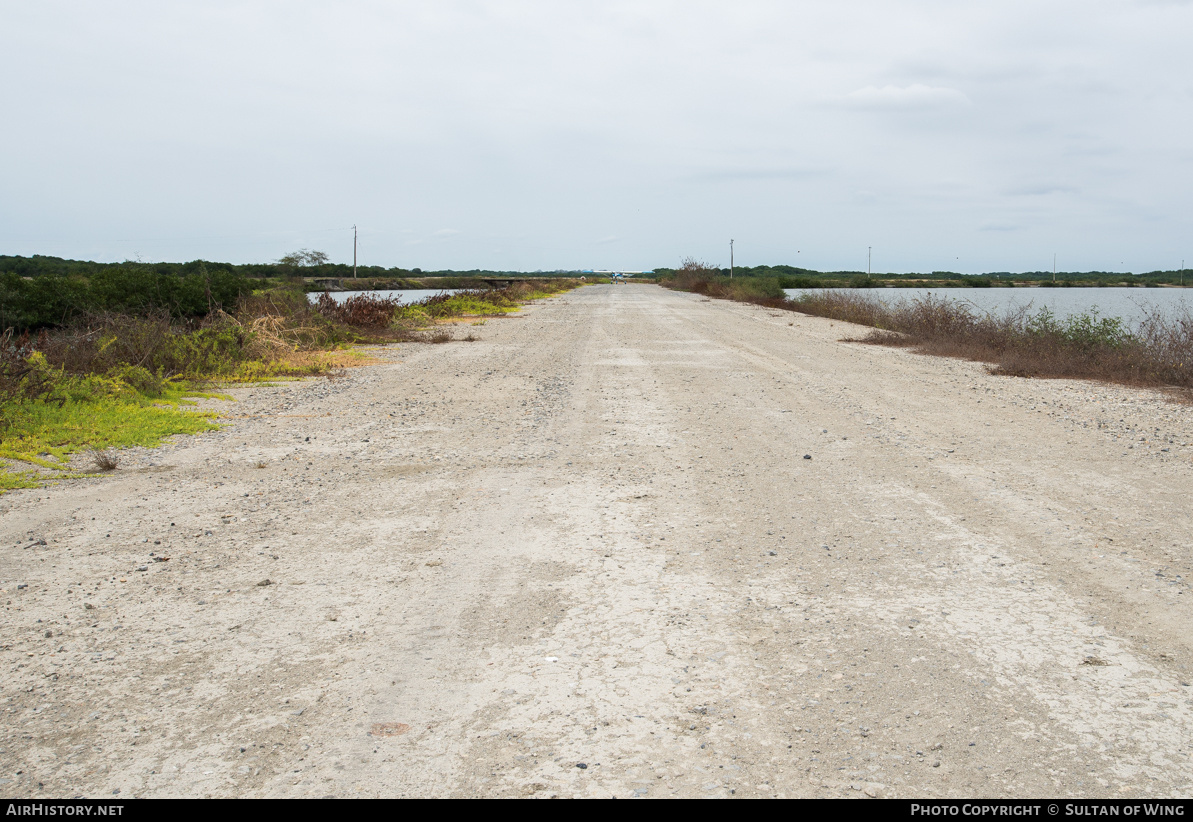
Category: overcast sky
[542,135]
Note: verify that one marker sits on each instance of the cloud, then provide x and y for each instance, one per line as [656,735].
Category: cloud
[916,95]
[536,124]
[1040,189]
[759,174]
[612,238]
[999,227]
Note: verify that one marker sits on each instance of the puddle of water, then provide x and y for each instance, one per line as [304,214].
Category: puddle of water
[403,296]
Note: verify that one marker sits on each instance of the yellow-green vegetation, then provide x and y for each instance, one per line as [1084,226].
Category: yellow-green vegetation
[295,365]
[89,413]
[465,303]
[481,303]
[46,433]
[114,380]
[127,406]
[117,380]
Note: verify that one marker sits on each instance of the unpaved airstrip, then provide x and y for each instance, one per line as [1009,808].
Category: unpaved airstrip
[631,542]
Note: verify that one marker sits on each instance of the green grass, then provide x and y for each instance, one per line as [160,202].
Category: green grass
[293,366]
[10,481]
[46,434]
[467,304]
[92,414]
[458,305]
[97,412]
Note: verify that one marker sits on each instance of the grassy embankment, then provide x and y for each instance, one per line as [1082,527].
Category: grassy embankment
[1156,353]
[116,375]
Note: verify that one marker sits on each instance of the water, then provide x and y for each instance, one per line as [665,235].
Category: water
[1129,304]
[404,296]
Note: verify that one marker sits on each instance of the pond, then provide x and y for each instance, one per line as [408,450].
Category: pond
[1129,304]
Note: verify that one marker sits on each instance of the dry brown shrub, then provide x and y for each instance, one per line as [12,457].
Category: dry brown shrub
[104,459]
[362,310]
[436,336]
[19,379]
[96,343]
[320,362]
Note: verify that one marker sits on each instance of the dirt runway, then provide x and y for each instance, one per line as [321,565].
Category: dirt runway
[631,543]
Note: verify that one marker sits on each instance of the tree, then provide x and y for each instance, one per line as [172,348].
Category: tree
[301,259]
[693,267]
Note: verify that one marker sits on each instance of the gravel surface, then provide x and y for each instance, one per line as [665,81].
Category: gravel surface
[633,543]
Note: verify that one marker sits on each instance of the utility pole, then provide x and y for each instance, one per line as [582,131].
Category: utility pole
[1054,266]
[869,253]
[1182,273]
[354,252]
[731,259]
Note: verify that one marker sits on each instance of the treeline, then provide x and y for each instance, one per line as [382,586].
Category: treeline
[41,266]
[52,299]
[794,277]
[42,292]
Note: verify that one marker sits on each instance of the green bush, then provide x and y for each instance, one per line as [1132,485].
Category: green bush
[800,282]
[144,352]
[37,303]
[53,300]
[140,378]
[140,291]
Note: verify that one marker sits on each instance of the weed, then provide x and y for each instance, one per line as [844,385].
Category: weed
[11,481]
[469,302]
[21,376]
[487,302]
[104,459]
[363,310]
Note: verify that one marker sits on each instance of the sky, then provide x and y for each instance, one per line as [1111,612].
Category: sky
[519,135]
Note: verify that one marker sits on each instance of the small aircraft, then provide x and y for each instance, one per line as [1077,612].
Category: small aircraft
[616,277]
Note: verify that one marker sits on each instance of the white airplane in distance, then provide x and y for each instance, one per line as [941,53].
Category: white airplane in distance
[616,276]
